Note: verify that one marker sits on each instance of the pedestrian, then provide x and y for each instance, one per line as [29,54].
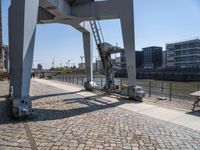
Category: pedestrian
[33,75]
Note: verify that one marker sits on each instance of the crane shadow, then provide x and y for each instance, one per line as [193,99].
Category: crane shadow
[83,105]
[88,105]
[33,98]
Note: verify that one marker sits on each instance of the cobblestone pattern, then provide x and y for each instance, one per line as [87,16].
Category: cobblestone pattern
[12,133]
[64,120]
[174,103]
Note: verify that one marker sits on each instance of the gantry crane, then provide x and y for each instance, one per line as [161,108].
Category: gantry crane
[80,14]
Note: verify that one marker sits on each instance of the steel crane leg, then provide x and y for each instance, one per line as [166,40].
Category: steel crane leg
[87,42]
[127,25]
[22,28]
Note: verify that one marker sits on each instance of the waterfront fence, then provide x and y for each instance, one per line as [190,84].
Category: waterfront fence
[170,90]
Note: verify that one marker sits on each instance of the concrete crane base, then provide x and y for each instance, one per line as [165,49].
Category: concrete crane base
[89,85]
[22,107]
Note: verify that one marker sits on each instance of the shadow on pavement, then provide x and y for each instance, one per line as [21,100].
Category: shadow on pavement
[5,113]
[84,104]
[87,107]
[194,113]
[52,95]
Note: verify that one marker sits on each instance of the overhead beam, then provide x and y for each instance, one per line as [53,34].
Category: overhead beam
[99,10]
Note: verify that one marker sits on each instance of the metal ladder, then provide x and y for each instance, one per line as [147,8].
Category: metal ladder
[99,39]
[105,56]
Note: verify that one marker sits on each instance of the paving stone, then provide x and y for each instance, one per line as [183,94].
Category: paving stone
[68,121]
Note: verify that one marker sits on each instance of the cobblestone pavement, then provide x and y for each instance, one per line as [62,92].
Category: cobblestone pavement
[63,120]
[12,133]
[174,103]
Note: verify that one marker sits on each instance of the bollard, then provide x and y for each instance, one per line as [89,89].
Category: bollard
[73,79]
[101,82]
[77,79]
[149,88]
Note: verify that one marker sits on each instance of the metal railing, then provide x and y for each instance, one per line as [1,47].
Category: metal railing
[170,90]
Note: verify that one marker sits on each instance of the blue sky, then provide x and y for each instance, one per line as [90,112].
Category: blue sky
[157,22]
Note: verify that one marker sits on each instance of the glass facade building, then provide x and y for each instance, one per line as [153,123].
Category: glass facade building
[152,57]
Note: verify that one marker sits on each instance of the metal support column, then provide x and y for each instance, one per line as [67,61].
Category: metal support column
[22,28]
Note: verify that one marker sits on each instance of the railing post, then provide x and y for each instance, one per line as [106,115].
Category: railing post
[120,83]
[149,88]
[101,82]
[82,80]
[198,87]
[162,88]
[170,91]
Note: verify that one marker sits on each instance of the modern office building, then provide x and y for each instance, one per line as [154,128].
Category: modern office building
[164,59]
[185,54]
[139,59]
[81,66]
[152,57]
[97,66]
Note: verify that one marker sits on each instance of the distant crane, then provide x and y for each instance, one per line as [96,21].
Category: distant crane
[82,59]
[53,62]
[69,63]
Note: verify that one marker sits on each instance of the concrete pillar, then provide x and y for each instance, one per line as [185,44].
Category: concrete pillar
[87,42]
[1,42]
[127,25]
[88,51]
[22,28]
